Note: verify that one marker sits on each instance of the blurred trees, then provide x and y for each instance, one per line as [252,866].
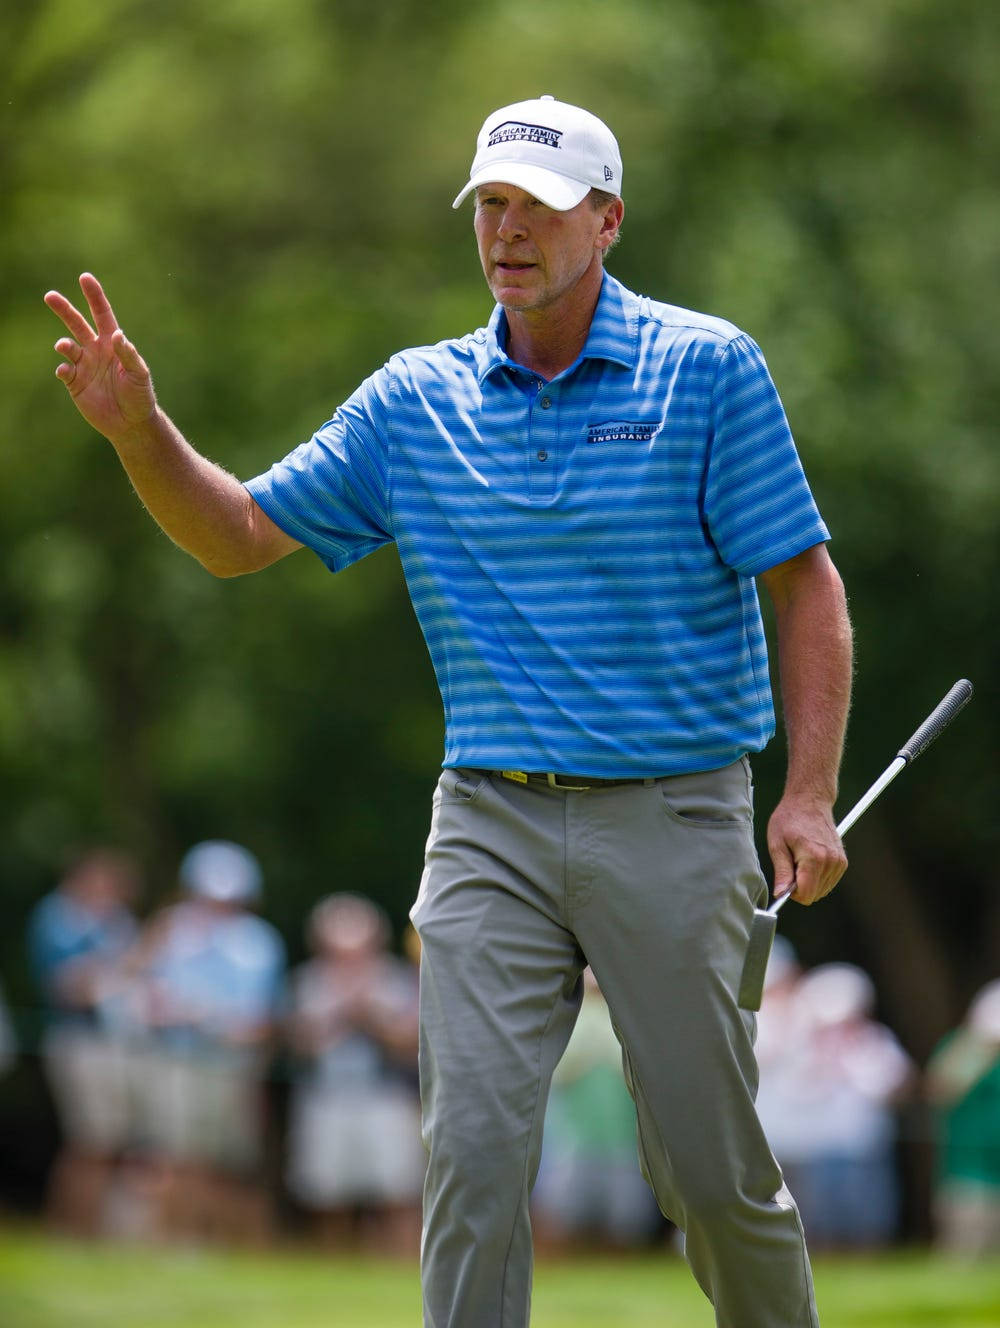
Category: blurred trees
[265,190]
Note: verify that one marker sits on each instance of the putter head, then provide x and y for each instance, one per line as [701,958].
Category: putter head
[762,929]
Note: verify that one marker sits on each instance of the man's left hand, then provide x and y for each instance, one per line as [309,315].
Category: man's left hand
[805,849]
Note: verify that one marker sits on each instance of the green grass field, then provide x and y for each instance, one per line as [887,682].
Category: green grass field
[45,1283]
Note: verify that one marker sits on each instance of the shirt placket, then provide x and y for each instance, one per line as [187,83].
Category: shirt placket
[543,441]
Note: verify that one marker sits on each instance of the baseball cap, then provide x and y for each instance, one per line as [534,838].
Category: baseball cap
[554,151]
[984,1013]
[222,871]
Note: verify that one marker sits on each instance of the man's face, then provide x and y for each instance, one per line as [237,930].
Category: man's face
[532,255]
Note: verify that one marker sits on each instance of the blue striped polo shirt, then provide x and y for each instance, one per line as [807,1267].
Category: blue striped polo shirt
[580,553]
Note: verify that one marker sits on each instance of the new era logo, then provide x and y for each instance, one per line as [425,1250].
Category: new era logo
[609,174]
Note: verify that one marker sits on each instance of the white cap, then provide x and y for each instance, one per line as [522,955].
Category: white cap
[836,993]
[553,151]
[984,1012]
[222,871]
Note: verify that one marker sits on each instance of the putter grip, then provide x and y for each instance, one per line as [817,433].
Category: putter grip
[937,721]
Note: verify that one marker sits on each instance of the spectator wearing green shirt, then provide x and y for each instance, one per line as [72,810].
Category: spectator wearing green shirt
[963,1084]
[590,1186]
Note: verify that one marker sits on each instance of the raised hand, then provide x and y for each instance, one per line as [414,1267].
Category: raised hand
[105,375]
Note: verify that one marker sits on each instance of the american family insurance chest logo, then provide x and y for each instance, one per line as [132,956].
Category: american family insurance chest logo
[512,131]
[621,431]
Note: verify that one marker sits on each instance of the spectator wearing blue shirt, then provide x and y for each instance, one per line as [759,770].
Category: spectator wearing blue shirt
[355,1156]
[584,494]
[207,986]
[78,936]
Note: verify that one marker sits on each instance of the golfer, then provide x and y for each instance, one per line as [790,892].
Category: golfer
[584,494]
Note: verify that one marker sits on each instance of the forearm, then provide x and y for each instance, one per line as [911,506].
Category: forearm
[815,668]
[204,509]
[815,661]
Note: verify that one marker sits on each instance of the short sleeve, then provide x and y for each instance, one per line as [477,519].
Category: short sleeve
[332,492]
[758,505]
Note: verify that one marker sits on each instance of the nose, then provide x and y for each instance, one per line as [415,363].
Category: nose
[513,225]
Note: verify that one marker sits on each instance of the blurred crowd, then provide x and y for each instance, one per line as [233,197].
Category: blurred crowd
[163,1040]
[204,1088]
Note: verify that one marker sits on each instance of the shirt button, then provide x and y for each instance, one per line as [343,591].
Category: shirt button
[543,455]
[546,402]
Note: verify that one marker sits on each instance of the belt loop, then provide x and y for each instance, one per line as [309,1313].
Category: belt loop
[567,788]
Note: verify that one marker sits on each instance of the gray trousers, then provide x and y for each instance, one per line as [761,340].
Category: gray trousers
[654,886]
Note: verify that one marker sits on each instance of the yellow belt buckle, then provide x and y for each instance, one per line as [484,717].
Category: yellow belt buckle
[518,776]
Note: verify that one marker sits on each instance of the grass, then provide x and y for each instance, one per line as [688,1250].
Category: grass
[48,1283]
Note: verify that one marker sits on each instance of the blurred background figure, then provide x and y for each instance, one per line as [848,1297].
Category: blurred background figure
[8,1039]
[829,1100]
[777,1022]
[355,1155]
[963,1085]
[77,937]
[590,1189]
[781,1056]
[204,1001]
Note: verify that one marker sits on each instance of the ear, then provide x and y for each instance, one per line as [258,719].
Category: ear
[611,220]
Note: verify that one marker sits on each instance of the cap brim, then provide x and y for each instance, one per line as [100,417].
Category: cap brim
[554,190]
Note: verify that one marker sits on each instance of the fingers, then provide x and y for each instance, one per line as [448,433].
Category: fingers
[816,872]
[72,354]
[101,311]
[129,358]
[68,349]
[806,851]
[784,869]
[75,322]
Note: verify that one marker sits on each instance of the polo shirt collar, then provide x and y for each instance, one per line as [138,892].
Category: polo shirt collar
[613,335]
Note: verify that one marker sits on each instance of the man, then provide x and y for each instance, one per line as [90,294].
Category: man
[78,936]
[207,990]
[582,494]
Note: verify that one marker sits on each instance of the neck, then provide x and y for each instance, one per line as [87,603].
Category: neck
[549,340]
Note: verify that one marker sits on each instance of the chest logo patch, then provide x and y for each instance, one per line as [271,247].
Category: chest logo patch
[622,431]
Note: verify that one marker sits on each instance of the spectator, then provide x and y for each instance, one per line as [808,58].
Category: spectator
[355,1156]
[207,991]
[963,1084]
[778,1010]
[8,1040]
[781,1055]
[77,935]
[589,1183]
[829,1099]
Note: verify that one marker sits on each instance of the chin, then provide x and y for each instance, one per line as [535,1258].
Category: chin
[513,298]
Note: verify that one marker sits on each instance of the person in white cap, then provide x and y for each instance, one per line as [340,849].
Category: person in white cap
[207,992]
[583,494]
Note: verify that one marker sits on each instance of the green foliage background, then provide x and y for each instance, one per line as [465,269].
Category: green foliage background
[265,190]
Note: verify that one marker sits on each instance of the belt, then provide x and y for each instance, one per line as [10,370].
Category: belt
[569,783]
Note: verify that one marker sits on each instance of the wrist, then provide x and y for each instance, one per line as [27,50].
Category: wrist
[139,433]
[814,798]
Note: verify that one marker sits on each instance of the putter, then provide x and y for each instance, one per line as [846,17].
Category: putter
[765,921]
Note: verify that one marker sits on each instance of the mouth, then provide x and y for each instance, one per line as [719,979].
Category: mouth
[513,265]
